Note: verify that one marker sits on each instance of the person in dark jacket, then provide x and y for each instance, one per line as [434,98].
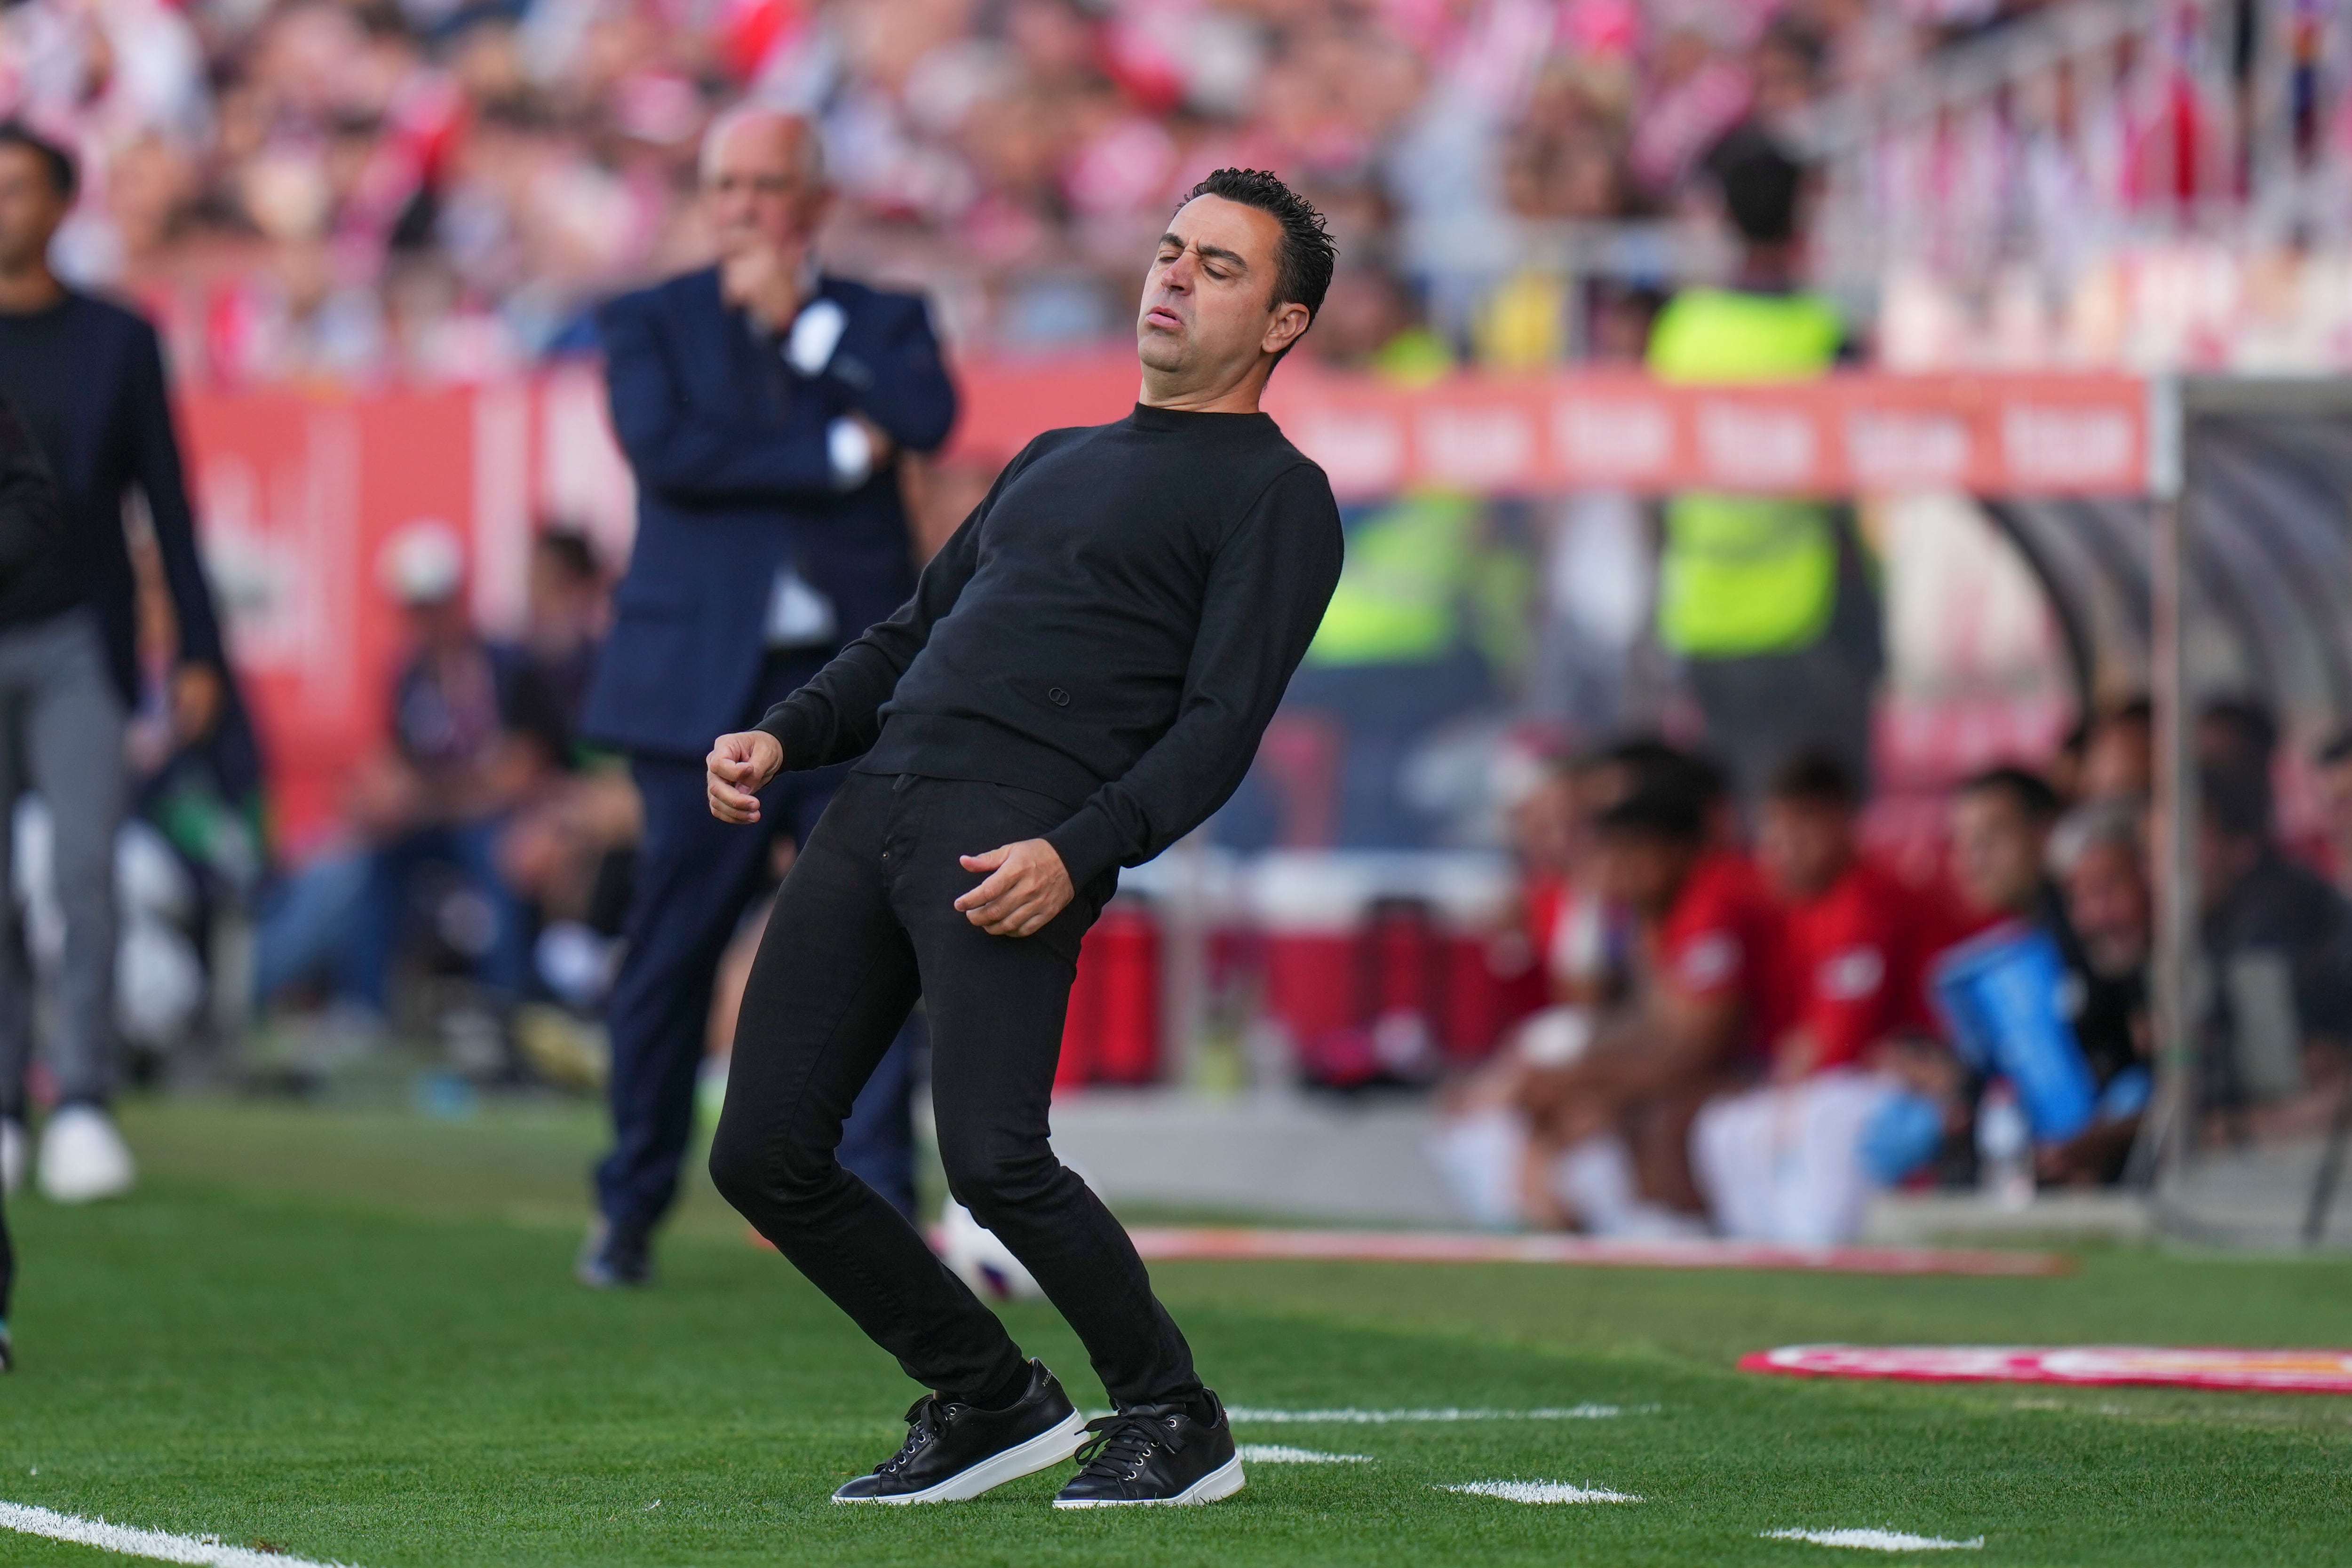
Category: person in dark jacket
[31,522]
[1080,680]
[89,376]
[760,402]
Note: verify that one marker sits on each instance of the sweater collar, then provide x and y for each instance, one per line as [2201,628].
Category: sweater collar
[1147,418]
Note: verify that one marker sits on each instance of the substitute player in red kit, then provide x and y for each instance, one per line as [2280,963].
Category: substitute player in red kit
[1782,1163]
[1081,678]
[1609,1133]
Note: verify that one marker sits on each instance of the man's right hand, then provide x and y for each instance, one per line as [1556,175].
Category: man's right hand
[737,769]
[765,281]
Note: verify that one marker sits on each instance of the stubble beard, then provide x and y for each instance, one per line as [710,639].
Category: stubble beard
[1162,352]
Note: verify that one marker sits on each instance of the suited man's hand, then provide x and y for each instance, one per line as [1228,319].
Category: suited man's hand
[764,281]
[1028,886]
[737,769]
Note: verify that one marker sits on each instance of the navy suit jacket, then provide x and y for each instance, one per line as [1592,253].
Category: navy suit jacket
[734,481]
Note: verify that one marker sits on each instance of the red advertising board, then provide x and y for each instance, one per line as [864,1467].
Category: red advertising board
[297,493]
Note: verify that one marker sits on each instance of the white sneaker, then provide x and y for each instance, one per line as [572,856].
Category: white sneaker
[83,1158]
[12,1156]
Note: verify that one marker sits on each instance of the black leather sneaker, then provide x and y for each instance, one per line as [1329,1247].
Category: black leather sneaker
[1155,1454]
[957,1451]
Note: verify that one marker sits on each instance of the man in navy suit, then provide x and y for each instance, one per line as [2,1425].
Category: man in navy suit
[761,404]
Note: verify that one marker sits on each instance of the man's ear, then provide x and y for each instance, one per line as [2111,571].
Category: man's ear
[1290,324]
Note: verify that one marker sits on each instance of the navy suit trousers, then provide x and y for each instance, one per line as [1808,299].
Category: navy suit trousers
[694,877]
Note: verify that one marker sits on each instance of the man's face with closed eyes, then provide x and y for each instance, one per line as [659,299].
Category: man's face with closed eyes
[1208,301]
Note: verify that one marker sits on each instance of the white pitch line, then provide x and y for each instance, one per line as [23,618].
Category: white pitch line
[131,1542]
[1352,1417]
[1275,1454]
[1539,1491]
[1875,1539]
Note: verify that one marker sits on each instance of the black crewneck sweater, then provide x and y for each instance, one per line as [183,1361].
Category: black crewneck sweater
[1112,627]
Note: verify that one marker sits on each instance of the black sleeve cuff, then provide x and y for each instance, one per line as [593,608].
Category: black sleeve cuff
[1088,843]
[789,722]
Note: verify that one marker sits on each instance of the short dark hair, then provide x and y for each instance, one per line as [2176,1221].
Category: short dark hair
[2029,792]
[2249,728]
[1663,813]
[1658,764]
[1814,779]
[1303,262]
[2236,798]
[56,162]
[1762,186]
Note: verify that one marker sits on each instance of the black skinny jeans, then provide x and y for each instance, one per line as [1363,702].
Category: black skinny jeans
[865,924]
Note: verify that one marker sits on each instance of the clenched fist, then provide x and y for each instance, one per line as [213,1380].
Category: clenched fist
[737,769]
[1026,887]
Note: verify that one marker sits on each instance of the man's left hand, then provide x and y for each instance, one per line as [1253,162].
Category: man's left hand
[1028,886]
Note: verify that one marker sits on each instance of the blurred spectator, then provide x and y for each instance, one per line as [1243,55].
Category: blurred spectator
[567,850]
[567,607]
[1585,940]
[2119,754]
[1794,1161]
[1856,939]
[2280,940]
[1430,619]
[2239,735]
[32,524]
[1609,1145]
[1371,322]
[439,798]
[1768,603]
[89,377]
[2098,854]
[2333,764]
[2005,851]
[2000,835]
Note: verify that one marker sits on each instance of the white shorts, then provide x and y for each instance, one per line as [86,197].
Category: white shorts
[1785,1164]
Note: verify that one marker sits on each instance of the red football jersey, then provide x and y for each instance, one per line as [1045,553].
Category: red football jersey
[1720,940]
[1856,960]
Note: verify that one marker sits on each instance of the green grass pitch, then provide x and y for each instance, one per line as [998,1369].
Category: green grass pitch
[352,1336]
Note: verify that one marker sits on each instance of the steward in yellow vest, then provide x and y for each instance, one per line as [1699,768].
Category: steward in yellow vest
[1767,601]
[1745,575]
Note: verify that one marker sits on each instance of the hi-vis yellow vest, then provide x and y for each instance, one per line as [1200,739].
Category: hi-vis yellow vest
[1399,594]
[1744,575]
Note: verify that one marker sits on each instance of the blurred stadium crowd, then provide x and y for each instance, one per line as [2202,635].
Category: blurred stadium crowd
[373,190]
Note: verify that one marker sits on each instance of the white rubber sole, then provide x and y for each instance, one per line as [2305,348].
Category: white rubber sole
[1043,1451]
[1215,1487]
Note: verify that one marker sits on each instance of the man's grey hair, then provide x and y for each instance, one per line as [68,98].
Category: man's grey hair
[812,141]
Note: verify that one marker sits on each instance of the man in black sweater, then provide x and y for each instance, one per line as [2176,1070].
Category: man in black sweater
[1081,678]
[89,376]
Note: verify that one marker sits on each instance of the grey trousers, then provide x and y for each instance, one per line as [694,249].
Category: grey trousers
[61,730]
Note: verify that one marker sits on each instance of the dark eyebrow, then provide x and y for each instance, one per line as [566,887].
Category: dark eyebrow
[1209,251]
